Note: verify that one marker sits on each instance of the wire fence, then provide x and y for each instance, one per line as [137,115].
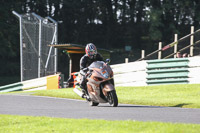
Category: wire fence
[37,58]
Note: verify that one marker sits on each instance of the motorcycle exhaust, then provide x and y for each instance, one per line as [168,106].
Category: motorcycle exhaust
[77,91]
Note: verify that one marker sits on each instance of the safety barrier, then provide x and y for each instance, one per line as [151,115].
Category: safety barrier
[167,71]
[11,87]
[130,74]
[194,70]
[139,73]
[49,82]
[156,72]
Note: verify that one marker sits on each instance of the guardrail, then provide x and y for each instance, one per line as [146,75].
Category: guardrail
[167,71]
[11,87]
[130,74]
[49,82]
[159,71]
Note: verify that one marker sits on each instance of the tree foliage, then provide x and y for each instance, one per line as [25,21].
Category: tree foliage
[107,23]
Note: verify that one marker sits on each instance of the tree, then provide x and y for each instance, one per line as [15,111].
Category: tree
[110,24]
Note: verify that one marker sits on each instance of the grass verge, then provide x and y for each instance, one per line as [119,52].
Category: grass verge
[184,95]
[29,124]
[178,95]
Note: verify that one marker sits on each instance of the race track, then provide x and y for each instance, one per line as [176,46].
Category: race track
[68,108]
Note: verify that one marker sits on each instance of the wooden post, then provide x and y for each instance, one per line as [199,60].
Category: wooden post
[175,46]
[192,41]
[143,54]
[126,60]
[70,64]
[160,52]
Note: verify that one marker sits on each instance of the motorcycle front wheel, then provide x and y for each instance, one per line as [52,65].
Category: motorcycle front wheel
[112,98]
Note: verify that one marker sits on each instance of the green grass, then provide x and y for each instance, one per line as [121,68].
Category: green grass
[62,93]
[185,95]
[29,124]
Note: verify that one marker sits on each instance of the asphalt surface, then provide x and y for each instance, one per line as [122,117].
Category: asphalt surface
[68,108]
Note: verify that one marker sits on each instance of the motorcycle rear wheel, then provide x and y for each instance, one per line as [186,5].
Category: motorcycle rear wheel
[93,103]
[112,98]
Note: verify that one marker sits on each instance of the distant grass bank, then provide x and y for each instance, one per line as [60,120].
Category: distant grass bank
[180,95]
[29,124]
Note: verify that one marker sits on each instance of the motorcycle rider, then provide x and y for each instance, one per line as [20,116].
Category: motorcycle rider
[87,59]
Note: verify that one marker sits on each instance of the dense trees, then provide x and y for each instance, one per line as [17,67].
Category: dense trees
[110,24]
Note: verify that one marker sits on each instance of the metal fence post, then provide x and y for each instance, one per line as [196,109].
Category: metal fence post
[126,60]
[56,50]
[175,46]
[21,44]
[39,47]
[192,41]
[54,40]
[143,54]
[160,52]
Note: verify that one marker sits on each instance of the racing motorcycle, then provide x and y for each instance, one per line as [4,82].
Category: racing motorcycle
[100,84]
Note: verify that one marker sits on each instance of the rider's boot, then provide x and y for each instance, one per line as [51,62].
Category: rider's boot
[83,91]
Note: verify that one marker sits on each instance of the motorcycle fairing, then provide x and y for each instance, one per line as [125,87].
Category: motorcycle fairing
[94,93]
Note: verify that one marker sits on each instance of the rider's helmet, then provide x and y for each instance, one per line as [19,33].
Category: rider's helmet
[91,50]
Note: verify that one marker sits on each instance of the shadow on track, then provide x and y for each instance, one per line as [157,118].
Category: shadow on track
[132,106]
[181,105]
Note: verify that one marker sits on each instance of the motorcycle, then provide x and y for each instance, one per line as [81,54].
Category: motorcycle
[100,84]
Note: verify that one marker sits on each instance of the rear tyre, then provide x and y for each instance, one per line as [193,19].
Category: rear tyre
[112,98]
[93,103]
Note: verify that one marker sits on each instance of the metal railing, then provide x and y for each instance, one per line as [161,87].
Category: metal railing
[174,44]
